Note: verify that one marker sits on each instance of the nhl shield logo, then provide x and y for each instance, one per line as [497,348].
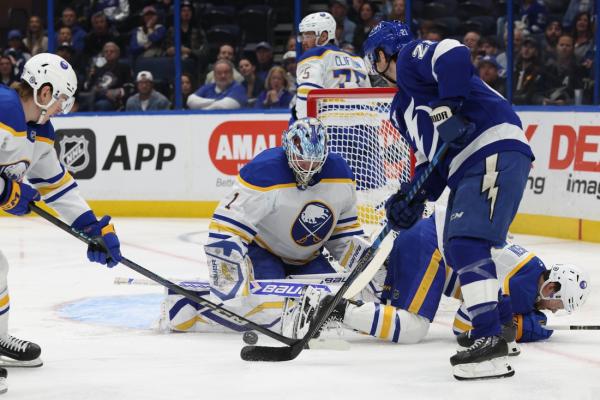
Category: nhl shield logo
[74,153]
[313,224]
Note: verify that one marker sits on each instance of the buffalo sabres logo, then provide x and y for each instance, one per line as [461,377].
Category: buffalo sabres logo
[312,224]
[74,153]
[14,172]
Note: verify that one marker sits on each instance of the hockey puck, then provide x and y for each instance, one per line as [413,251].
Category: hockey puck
[250,337]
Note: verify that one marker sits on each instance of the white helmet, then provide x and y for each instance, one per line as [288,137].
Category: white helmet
[47,68]
[574,286]
[318,23]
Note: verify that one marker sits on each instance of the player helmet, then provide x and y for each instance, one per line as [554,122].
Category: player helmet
[305,145]
[318,23]
[574,286]
[47,68]
[387,36]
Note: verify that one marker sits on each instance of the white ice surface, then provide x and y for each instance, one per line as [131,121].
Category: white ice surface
[100,356]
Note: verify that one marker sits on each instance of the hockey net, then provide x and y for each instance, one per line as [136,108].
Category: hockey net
[357,121]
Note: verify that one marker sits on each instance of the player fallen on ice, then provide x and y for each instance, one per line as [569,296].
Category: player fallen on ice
[441,99]
[406,293]
[47,88]
[287,205]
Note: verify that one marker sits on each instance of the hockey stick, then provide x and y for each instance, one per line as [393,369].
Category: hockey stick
[222,312]
[265,353]
[572,327]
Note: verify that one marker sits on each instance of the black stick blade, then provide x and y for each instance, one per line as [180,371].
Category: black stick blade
[266,353]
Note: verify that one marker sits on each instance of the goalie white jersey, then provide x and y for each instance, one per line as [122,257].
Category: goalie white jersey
[266,207]
[328,67]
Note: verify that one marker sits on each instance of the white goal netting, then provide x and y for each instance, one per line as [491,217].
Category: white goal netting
[359,130]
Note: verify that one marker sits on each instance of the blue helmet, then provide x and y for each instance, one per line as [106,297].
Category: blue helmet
[388,36]
[305,145]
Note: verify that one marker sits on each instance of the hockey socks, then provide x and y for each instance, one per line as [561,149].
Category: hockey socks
[386,322]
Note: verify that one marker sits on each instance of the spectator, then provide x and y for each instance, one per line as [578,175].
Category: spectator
[164,8]
[264,59]
[226,52]
[491,73]
[338,9]
[115,10]
[276,94]
[354,11]
[224,94]
[67,51]
[109,84]
[527,74]
[471,40]
[100,34]
[518,34]
[583,36]
[69,20]
[64,35]
[551,34]
[187,87]
[575,7]
[193,39]
[533,14]
[289,64]
[488,46]
[291,43]
[16,51]
[396,11]
[367,21]
[252,83]
[35,40]
[147,39]
[348,48]
[7,75]
[562,75]
[146,99]
[434,34]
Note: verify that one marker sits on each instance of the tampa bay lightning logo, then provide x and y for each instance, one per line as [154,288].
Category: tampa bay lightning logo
[583,284]
[312,224]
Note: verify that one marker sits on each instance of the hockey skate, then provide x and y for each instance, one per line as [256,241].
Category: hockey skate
[3,385]
[19,353]
[487,358]
[509,333]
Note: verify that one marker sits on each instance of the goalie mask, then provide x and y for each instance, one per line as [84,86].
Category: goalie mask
[389,37]
[574,286]
[305,145]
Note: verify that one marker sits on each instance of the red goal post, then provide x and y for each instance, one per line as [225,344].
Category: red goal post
[357,121]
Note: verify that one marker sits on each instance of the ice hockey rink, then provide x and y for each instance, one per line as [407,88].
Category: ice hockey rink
[98,340]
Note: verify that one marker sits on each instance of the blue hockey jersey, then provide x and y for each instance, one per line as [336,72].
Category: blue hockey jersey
[428,72]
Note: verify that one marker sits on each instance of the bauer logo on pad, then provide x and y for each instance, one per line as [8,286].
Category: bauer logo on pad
[76,149]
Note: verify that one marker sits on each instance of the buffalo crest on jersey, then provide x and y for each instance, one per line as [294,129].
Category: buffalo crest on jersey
[313,224]
[74,153]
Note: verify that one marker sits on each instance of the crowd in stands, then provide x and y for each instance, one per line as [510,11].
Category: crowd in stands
[123,50]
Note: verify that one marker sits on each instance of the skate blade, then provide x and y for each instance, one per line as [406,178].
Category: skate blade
[491,369]
[6,362]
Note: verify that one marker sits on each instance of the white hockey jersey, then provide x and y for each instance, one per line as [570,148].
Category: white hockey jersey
[327,67]
[27,151]
[266,207]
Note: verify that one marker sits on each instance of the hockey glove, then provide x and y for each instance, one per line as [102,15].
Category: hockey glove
[452,127]
[400,213]
[530,327]
[106,248]
[16,197]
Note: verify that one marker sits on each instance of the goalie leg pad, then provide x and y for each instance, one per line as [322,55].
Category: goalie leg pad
[4,298]
[229,268]
[297,314]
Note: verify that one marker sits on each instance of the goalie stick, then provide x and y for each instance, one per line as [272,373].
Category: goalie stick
[572,327]
[222,312]
[290,352]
